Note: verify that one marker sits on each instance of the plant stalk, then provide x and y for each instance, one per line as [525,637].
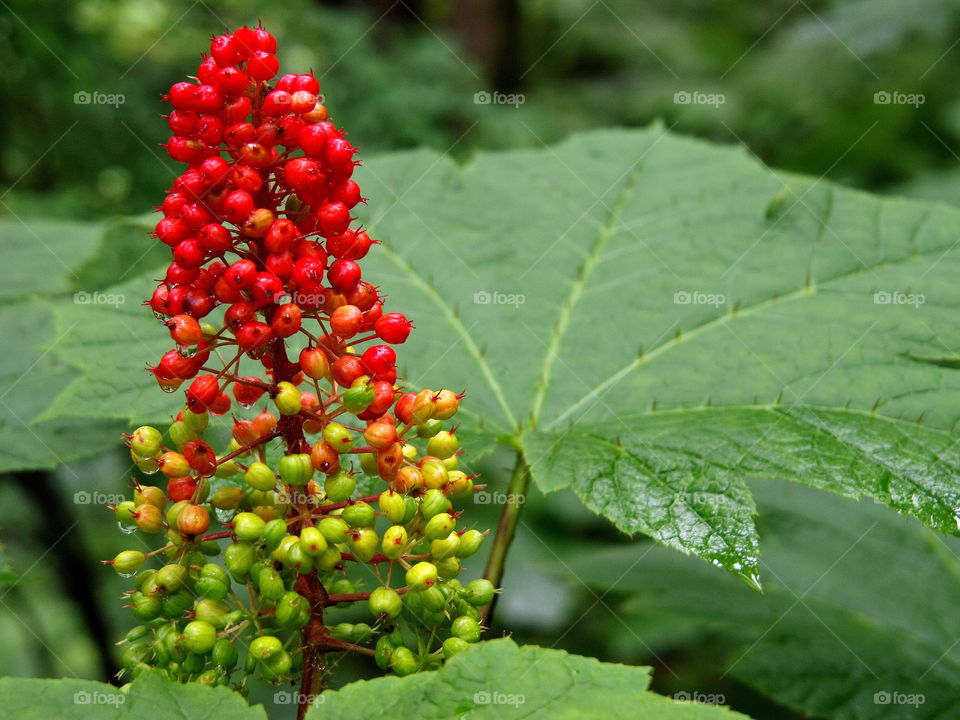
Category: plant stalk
[506,530]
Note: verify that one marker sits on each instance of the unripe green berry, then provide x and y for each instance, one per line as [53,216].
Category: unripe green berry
[248,527]
[445,548]
[276,668]
[328,559]
[393,505]
[282,553]
[274,532]
[181,433]
[197,422]
[171,577]
[479,592]
[383,651]
[402,661]
[443,445]
[434,474]
[177,604]
[458,484]
[173,512]
[448,568]
[145,607]
[293,610]
[439,526]
[394,541]
[421,576]
[124,513]
[433,503]
[128,562]
[296,470]
[385,601]
[228,469]
[339,486]
[199,637]
[228,497]
[146,441]
[287,398]
[265,647]
[363,543]
[368,463]
[470,542]
[453,646]
[334,529]
[432,599]
[211,588]
[224,654]
[429,428]
[312,541]
[359,514]
[359,395]
[361,633]
[271,584]
[337,437]
[466,628]
[238,559]
[259,476]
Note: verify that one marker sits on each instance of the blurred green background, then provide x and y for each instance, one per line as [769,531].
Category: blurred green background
[801,84]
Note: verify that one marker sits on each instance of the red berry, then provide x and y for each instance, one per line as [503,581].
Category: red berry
[184,330]
[253,335]
[344,275]
[183,95]
[379,359]
[345,321]
[346,369]
[393,328]
[281,235]
[238,206]
[241,274]
[286,320]
[202,393]
[181,488]
[308,272]
[263,65]
[245,393]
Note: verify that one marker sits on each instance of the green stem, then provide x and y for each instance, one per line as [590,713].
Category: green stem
[506,530]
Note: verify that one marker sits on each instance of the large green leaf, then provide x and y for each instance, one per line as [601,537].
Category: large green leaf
[498,679]
[832,636]
[148,698]
[650,320]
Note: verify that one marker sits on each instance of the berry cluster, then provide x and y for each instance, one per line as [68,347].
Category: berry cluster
[260,229]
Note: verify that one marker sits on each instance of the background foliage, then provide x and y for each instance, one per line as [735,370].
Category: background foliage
[798,82]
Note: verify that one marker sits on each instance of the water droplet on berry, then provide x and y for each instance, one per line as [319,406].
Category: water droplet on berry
[126,529]
[224,515]
[168,388]
[246,406]
[187,351]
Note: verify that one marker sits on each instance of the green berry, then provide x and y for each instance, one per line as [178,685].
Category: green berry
[383,651]
[328,559]
[393,505]
[359,514]
[287,398]
[238,559]
[181,434]
[128,562]
[363,543]
[448,568]
[333,529]
[228,497]
[434,474]
[368,463]
[443,445]
[293,610]
[171,577]
[271,584]
[337,437]
[402,661]
[432,599]
[199,637]
[361,633]
[259,476]
[177,604]
[454,645]
[145,607]
[265,647]
[479,592]
[146,441]
[439,526]
[248,527]
[359,395]
[385,601]
[339,486]
[470,542]
[394,541]
[276,667]
[296,470]
[445,548]
[312,541]
[197,422]
[421,576]
[124,513]
[466,628]
[433,502]
[224,654]
[274,533]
